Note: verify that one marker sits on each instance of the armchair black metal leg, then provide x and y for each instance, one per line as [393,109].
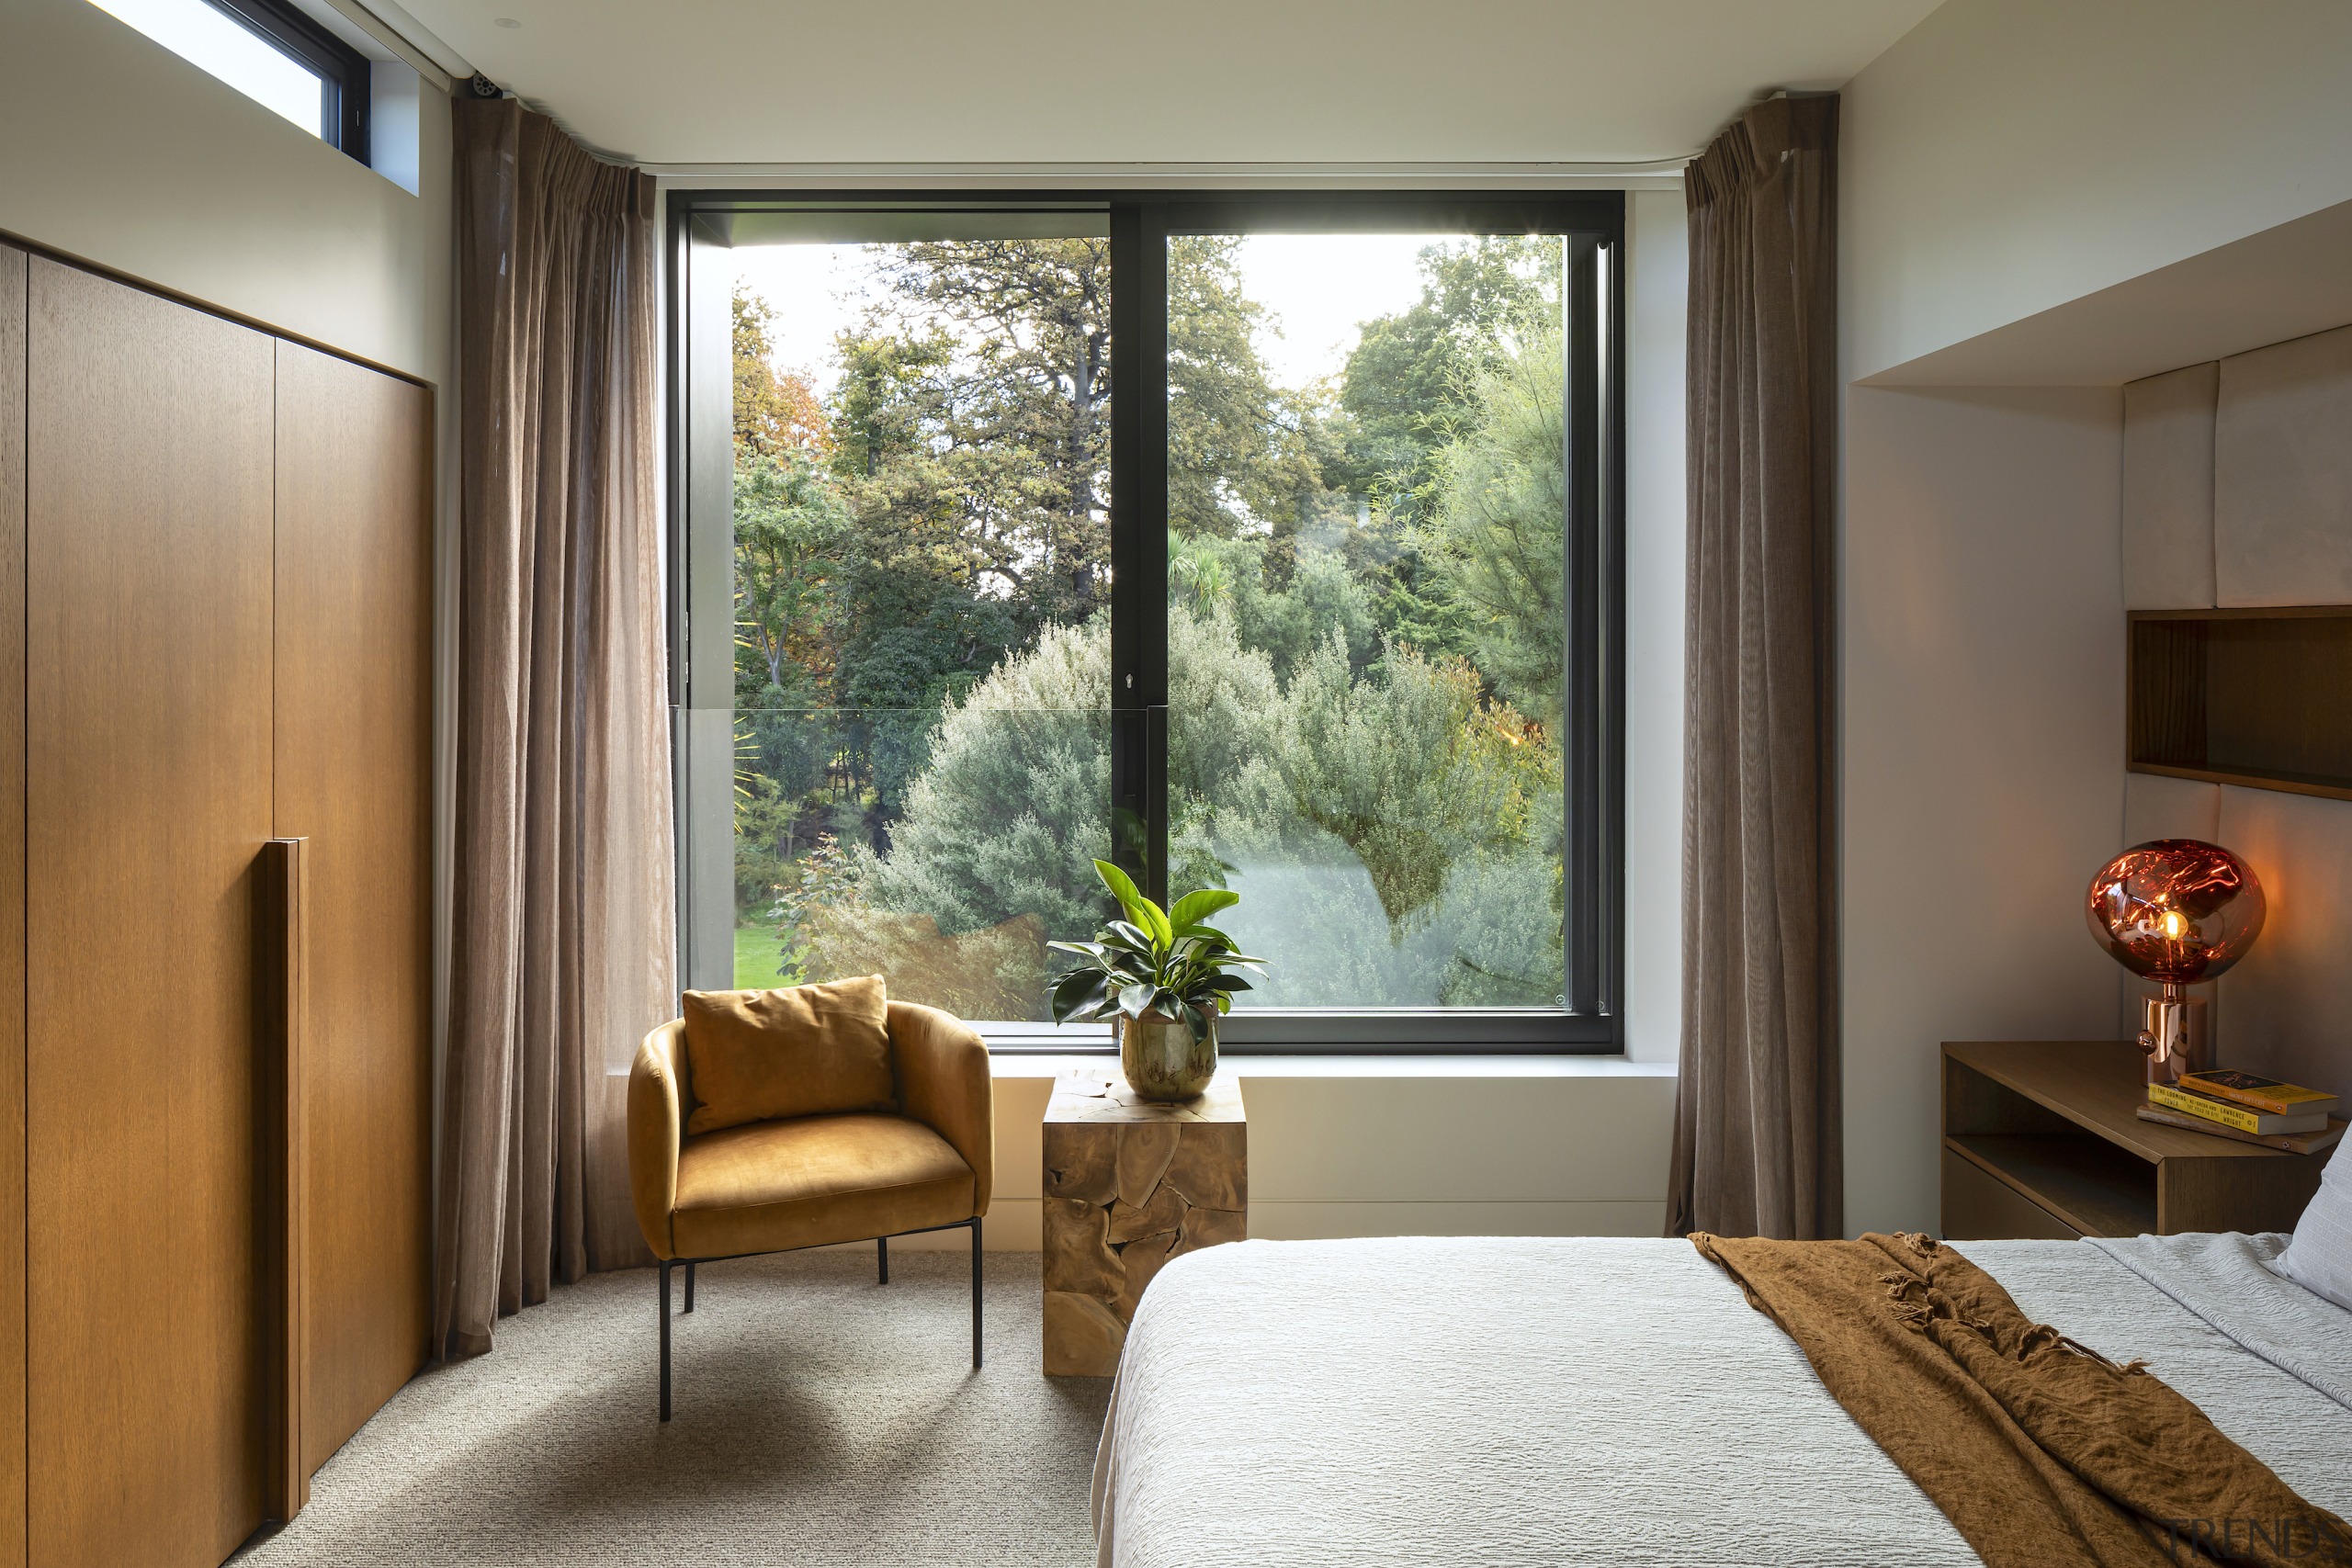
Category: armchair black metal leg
[666,1266]
[882,1255]
[976,1292]
[690,1286]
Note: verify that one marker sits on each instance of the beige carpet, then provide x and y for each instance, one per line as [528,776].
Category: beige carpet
[820,1419]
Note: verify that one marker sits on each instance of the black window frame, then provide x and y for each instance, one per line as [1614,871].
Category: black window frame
[1141,222]
[347,75]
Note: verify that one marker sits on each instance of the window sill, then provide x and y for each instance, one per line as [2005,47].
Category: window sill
[1300,1032]
[1466,1064]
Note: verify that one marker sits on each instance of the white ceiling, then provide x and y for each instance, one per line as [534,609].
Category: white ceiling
[1160,81]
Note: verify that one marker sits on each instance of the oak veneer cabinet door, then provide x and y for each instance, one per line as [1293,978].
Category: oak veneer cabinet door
[148,693]
[12,907]
[354,741]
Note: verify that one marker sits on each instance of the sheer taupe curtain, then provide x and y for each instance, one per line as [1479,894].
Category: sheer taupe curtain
[1757,1144]
[562,935]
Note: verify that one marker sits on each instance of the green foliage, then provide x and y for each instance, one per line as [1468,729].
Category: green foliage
[808,892]
[1170,963]
[1495,532]
[1409,769]
[831,929]
[1392,800]
[1405,386]
[948,504]
[974,425]
[1364,712]
[1409,389]
[1237,455]
[1287,622]
[1011,810]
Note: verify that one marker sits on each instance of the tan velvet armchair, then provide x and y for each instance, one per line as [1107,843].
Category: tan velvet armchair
[814,1180]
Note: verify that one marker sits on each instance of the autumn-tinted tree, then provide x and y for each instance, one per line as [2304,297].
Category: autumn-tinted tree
[775,412]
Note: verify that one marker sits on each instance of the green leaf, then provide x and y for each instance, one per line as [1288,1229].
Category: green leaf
[1082,993]
[1215,940]
[1140,909]
[1122,886]
[1194,907]
[1123,938]
[1136,1001]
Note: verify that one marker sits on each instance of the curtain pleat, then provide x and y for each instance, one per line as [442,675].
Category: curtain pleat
[1757,1146]
[562,931]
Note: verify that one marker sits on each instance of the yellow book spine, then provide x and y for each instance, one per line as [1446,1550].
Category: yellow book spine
[2280,1100]
[2210,1109]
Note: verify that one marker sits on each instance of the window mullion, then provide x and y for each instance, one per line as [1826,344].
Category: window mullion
[1582,598]
[1139,541]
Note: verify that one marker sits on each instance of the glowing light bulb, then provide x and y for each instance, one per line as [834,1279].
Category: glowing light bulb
[2174,924]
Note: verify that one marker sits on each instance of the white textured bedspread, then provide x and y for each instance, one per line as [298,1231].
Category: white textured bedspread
[1588,1400]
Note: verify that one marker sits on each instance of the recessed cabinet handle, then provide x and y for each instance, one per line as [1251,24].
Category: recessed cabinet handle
[280,1007]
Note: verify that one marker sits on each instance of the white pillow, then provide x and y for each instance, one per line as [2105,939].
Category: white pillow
[2320,1256]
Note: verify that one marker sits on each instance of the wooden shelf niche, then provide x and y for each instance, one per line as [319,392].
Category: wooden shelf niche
[2252,697]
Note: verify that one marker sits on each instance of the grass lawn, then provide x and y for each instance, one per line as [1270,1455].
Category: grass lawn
[757,952]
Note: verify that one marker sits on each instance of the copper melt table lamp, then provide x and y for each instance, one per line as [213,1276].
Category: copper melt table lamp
[2175,911]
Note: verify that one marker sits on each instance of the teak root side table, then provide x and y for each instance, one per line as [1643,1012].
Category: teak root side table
[1128,1185]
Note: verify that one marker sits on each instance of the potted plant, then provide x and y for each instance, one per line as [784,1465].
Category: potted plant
[1163,978]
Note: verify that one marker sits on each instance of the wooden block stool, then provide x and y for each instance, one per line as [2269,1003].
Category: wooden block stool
[1130,1184]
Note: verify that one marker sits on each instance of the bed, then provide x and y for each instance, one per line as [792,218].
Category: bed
[1617,1402]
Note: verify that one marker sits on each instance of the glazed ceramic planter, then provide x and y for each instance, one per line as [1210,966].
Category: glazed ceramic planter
[1161,1058]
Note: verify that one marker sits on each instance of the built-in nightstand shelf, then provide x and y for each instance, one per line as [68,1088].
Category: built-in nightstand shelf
[2039,1139]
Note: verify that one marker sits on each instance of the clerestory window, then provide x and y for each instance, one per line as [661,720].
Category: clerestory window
[273,52]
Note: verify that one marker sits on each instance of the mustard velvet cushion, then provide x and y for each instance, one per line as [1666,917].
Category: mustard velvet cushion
[776,1185]
[808,1051]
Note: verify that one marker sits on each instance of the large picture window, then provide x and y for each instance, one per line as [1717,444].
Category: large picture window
[1268,544]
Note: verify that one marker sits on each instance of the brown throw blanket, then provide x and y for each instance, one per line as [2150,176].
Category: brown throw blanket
[2042,1452]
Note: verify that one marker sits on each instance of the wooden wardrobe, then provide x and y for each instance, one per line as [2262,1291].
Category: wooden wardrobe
[215,881]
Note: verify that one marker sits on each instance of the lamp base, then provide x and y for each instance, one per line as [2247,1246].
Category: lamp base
[2176,1037]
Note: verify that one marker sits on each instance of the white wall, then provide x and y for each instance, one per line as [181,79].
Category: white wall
[1399,1146]
[1981,612]
[2007,156]
[1656,531]
[116,151]
[2003,163]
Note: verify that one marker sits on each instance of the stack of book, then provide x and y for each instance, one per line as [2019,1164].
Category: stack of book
[2248,1106]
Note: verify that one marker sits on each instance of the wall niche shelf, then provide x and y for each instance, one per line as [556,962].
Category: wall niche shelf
[2255,697]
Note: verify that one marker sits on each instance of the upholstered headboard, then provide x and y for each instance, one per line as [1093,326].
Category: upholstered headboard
[2237,492]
